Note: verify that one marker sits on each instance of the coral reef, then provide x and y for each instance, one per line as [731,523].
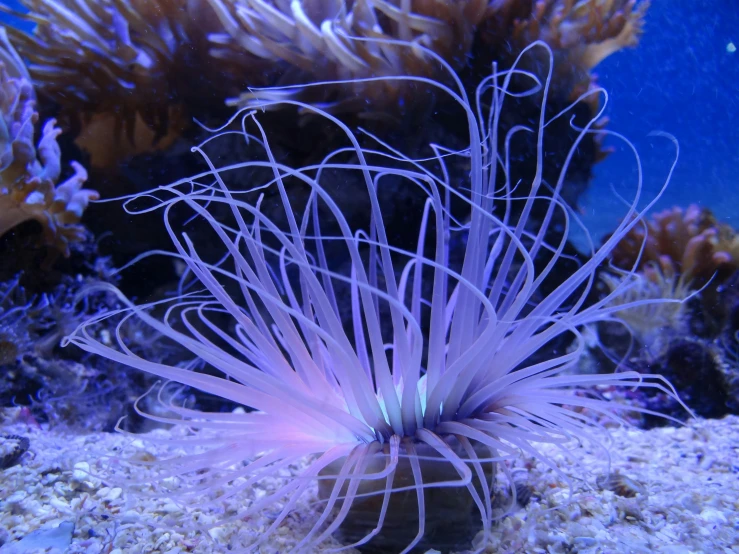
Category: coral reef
[682,253]
[686,265]
[115,66]
[58,385]
[352,40]
[134,63]
[29,174]
[685,244]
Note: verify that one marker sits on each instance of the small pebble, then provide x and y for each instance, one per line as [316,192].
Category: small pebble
[712,515]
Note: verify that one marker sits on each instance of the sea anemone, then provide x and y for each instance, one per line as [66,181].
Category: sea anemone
[319,40]
[29,174]
[664,313]
[120,63]
[115,68]
[404,415]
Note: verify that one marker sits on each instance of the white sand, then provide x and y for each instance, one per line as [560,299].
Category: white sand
[691,505]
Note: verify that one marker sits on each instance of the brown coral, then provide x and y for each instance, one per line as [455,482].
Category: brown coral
[122,65]
[689,243]
[302,32]
[131,62]
[587,30]
[339,40]
[28,174]
[581,33]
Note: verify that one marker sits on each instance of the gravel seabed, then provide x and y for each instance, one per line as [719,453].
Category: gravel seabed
[679,494]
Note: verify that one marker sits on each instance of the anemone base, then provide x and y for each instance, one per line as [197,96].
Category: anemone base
[452,518]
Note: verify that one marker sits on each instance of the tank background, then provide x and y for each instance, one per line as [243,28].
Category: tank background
[681,79]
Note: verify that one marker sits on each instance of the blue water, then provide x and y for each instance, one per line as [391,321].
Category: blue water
[683,80]
[6,19]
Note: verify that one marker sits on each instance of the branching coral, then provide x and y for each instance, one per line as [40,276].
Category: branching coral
[686,244]
[438,376]
[29,175]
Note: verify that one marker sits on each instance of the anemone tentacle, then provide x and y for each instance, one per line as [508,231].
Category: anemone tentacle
[426,372]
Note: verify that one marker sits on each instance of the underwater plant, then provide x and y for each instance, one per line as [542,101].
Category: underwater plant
[404,416]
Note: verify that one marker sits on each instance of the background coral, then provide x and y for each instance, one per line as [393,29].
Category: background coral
[689,259]
[689,244]
[29,175]
[115,66]
[581,33]
[661,318]
[340,40]
[62,386]
[129,75]
[138,62]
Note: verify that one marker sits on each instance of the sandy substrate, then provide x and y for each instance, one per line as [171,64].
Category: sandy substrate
[678,493]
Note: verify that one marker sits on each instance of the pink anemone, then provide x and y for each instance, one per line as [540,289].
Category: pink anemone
[436,365]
